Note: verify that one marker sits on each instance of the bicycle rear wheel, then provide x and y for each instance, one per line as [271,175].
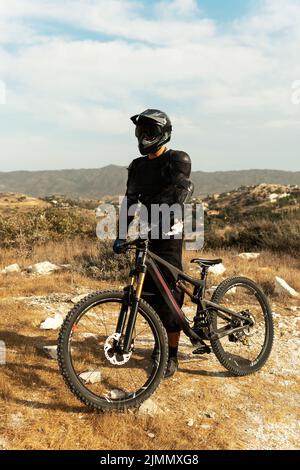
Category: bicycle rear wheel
[246,351]
[96,374]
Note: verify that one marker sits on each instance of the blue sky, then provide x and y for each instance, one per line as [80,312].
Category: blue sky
[76,71]
[225,10]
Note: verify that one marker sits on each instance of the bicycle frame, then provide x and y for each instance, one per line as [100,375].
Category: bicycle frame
[147,261]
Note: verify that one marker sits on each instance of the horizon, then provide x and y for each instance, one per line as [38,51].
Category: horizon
[124,167]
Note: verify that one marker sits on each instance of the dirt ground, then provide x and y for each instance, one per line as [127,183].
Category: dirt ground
[201,407]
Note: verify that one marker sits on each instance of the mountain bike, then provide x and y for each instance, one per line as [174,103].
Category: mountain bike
[106,344]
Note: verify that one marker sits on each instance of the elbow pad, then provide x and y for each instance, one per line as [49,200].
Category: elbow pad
[184,191]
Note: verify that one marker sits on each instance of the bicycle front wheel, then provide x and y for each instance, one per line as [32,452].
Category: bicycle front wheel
[99,376]
[245,351]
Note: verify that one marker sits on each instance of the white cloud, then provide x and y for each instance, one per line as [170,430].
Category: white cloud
[237,78]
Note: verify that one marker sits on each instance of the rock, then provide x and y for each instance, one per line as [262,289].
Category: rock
[218,269]
[78,298]
[273,197]
[16,420]
[66,266]
[89,336]
[188,310]
[92,377]
[116,394]
[44,267]
[187,392]
[151,435]
[210,414]
[231,390]
[211,290]
[249,256]
[282,287]
[190,423]
[51,351]
[294,308]
[11,269]
[52,323]
[205,426]
[150,408]
[3,443]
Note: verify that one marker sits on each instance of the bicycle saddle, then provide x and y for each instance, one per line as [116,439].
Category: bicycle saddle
[207,262]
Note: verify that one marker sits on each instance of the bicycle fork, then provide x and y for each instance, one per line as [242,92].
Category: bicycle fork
[132,298]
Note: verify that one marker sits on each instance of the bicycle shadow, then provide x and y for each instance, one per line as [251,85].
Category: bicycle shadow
[205,373]
[31,378]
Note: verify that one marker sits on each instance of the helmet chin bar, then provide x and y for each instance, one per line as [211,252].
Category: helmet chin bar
[153,147]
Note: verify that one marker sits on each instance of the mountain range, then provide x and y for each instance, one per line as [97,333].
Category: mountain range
[111,180]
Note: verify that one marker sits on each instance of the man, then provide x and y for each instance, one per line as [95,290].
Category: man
[160,176]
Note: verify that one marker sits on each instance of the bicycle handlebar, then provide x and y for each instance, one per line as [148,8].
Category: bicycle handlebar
[133,242]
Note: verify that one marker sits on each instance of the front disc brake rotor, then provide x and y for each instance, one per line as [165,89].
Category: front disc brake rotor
[112,354]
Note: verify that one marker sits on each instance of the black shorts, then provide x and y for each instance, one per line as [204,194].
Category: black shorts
[171,251]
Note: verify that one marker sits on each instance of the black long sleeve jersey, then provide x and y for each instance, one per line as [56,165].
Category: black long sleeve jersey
[162,180]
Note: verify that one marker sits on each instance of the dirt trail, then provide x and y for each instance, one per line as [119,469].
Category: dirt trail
[203,404]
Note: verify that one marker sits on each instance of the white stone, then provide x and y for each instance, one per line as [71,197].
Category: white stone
[52,323]
[151,435]
[276,315]
[231,390]
[211,290]
[218,269]
[282,196]
[205,426]
[210,414]
[188,310]
[88,336]
[11,269]
[92,377]
[294,308]
[3,443]
[273,197]
[51,351]
[16,420]
[117,394]
[282,287]
[190,423]
[44,267]
[249,256]
[78,298]
[149,408]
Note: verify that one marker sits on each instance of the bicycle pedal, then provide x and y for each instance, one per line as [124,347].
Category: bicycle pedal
[203,349]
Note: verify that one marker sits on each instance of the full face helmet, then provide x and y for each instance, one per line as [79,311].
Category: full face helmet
[153,130]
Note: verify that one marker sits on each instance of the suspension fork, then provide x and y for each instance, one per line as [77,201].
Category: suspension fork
[141,273]
[125,304]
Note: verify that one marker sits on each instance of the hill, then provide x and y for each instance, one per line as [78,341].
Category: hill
[111,180]
[255,217]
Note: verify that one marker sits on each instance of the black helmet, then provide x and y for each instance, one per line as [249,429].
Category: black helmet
[153,130]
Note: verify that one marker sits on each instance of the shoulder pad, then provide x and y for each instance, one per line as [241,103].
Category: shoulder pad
[134,163]
[181,157]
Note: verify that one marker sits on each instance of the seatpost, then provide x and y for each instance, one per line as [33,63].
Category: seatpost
[204,274]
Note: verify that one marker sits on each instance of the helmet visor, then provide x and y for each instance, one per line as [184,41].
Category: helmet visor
[148,131]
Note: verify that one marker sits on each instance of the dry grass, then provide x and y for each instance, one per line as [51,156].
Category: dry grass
[38,411]
[263,270]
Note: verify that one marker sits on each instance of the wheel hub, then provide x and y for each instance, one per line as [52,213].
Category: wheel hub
[113,352]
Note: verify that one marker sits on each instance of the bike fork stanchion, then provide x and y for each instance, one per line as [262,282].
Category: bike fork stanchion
[134,310]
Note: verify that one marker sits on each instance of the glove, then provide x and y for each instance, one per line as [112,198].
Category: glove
[118,245]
